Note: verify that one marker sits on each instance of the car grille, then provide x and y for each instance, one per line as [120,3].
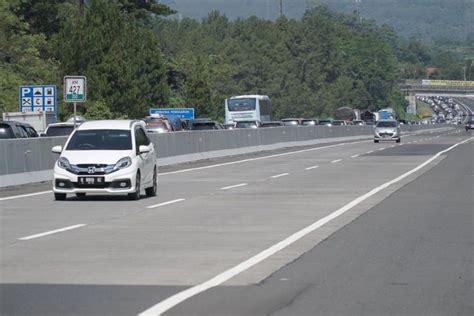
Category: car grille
[386,134]
[91,186]
[85,169]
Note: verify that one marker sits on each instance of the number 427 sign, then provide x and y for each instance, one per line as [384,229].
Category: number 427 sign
[74,89]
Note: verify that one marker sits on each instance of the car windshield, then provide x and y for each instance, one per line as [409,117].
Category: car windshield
[245,124]
[242,104]
[6,131]
[387,124]
[59,130]
[101,139]
[309,122]
[290,123]
[203,126]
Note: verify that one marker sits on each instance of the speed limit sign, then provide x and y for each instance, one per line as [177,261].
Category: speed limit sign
[75,89]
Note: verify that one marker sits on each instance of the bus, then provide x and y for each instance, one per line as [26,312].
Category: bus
[248,108]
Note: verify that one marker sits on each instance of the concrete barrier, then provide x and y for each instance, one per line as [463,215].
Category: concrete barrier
[31,160]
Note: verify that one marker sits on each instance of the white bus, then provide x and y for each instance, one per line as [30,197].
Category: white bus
[248,108]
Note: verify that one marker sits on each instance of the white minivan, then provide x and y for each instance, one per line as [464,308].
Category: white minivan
[111,157]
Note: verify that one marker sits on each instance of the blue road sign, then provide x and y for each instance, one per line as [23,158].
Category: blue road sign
[38,98]
[182,113]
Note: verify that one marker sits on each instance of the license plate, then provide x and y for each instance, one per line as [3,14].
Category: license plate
[91,180]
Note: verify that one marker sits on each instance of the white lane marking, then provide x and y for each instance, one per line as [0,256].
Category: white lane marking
[335,161]
[279,175]
[369,152]
[180,297]
[60,230]
[392,146]
[260,158]
[354,156]
[24,195]
[234,186]
[311,168]
[382,148]
[166,203]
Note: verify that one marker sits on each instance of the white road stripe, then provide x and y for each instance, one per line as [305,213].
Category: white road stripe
[24,195]
[279,175]
[234,186]
[52,232]
[337,160]
[369,152]
[381,148]
[182,296]
[260,158]
[354,156]
[166,203]
[311,168]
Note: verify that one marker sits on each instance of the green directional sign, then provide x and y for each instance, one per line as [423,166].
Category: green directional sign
[74,89]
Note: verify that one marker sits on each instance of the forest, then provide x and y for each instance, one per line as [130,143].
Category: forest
[137,55]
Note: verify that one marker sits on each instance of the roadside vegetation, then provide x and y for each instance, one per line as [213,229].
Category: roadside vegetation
[136,57]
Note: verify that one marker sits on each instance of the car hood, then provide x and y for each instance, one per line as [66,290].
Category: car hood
[386,129]
[108,157]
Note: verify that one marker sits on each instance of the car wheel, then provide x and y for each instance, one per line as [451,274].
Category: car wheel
[151,191]
[136,195]
[376,141]
[80,195]
[399,140]
[60,196]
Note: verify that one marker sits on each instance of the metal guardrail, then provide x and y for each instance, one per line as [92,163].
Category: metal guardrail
[30,156]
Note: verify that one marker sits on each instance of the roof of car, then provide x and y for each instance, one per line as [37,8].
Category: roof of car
[107,124]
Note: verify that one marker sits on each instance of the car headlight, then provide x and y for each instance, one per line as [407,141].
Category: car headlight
[64,163]
[123,163]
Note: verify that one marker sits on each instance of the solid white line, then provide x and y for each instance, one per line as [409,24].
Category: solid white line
[24,195]
[313,167]
[355,156]
[279,175]
[337,160]
[260,158]
[166,203]
[52,232]
[176,299]
[234,186]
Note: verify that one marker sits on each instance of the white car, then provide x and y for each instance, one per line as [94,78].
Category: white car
[111,157]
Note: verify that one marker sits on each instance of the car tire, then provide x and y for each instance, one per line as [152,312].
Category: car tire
[80,195]
[136,195]
[151,191]
[399,140]
[60,196]
[376,141]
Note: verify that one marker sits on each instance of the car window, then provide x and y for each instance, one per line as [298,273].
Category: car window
[59,130]
[140,139]
[6,131]
[20,132]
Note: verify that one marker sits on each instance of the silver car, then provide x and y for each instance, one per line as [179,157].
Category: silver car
[387,130]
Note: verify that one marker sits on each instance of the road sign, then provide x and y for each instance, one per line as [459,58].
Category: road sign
[75,89]
[182,113]
[37,98]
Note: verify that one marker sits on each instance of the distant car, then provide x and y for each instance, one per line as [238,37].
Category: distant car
[272,124]
[204,125]
[59,129]
[14,129]
[309,122]
[469,125]
[248,124]
[325,122]
[157,125]
[339,123]
[111,157]
[387,130]
[358,122]
[229,126]
[291,121]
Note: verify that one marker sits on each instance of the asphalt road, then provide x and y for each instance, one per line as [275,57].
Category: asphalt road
[405,250]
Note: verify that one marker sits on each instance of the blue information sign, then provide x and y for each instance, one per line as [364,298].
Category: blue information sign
[38,98]
[182,113]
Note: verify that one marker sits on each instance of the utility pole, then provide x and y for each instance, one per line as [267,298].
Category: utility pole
[281,8]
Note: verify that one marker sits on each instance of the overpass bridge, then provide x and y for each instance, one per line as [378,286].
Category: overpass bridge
[442,88]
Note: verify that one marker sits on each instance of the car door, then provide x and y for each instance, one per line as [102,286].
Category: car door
[144,159]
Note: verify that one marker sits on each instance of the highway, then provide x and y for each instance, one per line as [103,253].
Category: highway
[352,228]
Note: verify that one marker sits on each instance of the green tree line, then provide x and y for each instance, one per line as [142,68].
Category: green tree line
[135,57]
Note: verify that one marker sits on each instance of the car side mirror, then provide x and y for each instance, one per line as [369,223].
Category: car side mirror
[144,149]
[57,149]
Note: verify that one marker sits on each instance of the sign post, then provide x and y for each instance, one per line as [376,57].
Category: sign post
[75,91]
